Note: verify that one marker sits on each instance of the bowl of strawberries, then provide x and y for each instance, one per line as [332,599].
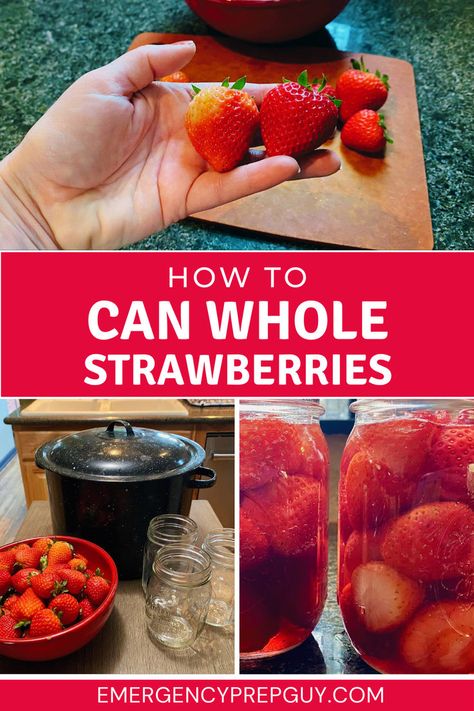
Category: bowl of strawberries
[56,594]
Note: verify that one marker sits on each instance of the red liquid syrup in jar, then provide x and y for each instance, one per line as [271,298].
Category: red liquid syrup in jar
[283,525]
[406,536]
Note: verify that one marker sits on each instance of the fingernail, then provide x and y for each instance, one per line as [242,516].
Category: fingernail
[188,42]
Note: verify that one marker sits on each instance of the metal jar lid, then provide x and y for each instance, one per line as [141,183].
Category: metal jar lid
[120,453]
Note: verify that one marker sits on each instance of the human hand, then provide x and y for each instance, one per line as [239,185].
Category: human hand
[110,162]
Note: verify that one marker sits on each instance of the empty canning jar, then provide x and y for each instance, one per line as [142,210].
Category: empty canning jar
[406,535]
[178,595]
[220,546]
[283,524]
[162,531]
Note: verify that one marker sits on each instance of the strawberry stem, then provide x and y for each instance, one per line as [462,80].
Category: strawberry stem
[383,126]
[196,89]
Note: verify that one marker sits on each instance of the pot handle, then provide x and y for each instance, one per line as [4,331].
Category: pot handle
[206,483]
[110,431]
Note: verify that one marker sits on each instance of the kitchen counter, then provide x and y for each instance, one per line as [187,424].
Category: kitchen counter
[44,46]
[328,650]
[123,646]
[214,415]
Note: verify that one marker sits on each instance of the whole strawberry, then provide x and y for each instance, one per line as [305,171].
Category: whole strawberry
[22,580]
[10,601]
[43,545]
[44,623]
[221,122]
[87,609]
[45,584]
[78,563]
[74,580]
[8,629]
[97,589]
[366,132]
[26,606]
[358,89]
[5,581]
[296,118]
[322,85]
[7,560]
[60,552]
[28,557]
[66,607]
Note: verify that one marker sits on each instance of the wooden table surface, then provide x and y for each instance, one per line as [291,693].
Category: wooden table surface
[123,646]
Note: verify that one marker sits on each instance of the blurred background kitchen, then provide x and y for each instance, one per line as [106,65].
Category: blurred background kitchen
[47,44]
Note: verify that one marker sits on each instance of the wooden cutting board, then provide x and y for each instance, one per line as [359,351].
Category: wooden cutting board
[372,203]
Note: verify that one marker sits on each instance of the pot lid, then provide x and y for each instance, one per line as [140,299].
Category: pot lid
[120,453]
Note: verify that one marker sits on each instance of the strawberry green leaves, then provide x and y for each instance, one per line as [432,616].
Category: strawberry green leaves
[360,66]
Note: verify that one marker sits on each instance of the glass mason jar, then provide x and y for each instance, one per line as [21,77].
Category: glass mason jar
[220,546]
[406,535]
[283,524]
[162,531]
[178,595]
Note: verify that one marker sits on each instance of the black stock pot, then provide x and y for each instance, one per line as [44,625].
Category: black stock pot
[105,485]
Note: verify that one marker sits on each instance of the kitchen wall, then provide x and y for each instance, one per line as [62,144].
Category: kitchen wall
[7,446]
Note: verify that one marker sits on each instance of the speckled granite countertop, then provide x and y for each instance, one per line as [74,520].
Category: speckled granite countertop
[328,650]
[46,44]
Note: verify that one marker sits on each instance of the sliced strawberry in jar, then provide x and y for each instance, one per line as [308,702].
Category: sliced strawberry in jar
[430,542]
[254,544]
[384,598]
[440,639]
[377,645]
[267,448]
[290,509]
[400,448]
[368,504]
[361,547]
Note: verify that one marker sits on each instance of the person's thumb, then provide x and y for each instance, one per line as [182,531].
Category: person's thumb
[136,69]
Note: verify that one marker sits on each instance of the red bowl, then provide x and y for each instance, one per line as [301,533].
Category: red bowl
[40,649]
[267,20]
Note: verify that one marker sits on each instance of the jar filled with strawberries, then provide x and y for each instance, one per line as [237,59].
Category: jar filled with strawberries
[406,535]
[283,524]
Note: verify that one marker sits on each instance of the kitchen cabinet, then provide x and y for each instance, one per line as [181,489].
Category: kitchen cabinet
[32,428]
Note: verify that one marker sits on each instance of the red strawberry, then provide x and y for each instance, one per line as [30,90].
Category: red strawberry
[8,629]
[289,510]
[430,542]
[367,502]
[26,606]
[43,545]
[60,552]
[10,601]
[296,118]
[7,560]
[74,579]
[440,639]
[87,609]
[258,623]
[267,448]
[400,448]
[22,580]
[221,122]
[383,597]
[361,547]
[312,452]
[359,89]
[451,454]
[5,581]
[366,132]
[66,607]
[28,557]
[78,563]
[176,78]
[44,623]
[45,584]
[97,589]
[254,545]
[323,87]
